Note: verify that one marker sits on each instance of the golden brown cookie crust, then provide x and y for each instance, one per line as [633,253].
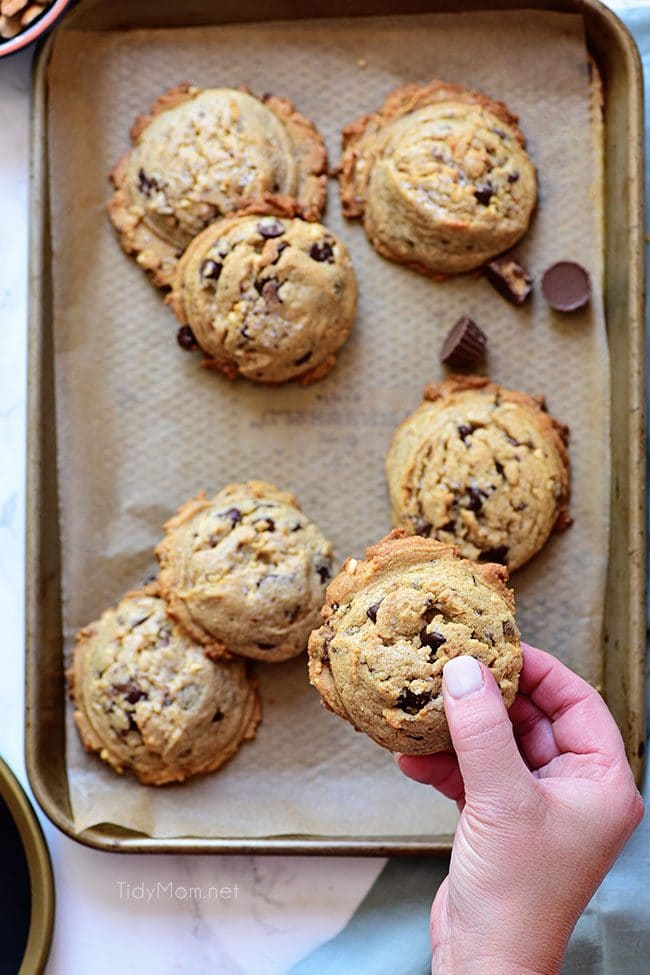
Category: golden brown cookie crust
[391,622]
[157,707]
[245,572]
[293,340]
[363,146]
[158,256]
[507,490]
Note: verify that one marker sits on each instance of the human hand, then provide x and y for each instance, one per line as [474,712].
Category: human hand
[547,802]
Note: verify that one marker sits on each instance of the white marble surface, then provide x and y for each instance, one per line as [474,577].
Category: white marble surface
[257,914]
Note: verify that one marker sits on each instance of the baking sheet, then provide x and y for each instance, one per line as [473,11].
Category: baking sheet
[141,426]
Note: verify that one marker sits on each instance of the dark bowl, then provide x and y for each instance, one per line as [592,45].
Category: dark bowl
[26,884]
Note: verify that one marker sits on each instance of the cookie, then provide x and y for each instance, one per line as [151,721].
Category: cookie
[245,572]
[483,467]
[268,296]
[392,621]
[148,699]
[439,176]
[203,153]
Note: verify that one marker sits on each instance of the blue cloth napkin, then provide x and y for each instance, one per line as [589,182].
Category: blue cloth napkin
[389,932]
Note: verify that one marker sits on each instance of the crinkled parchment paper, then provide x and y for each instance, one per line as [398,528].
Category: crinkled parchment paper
[142,426]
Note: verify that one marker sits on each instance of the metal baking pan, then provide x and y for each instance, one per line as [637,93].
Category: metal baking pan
[617,59]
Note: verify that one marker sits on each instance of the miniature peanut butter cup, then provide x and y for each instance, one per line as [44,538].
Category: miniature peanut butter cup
[465,344]
[510,278]
[566,286]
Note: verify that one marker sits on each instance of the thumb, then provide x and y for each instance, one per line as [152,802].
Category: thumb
[481,732]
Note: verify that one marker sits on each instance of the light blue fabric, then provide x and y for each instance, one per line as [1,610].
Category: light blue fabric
[389,931]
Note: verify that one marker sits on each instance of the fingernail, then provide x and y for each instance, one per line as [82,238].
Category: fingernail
[462,676]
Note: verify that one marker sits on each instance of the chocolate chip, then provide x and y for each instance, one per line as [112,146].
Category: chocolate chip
[484,194]
[464,345]
[450,526]
[513,176]
[421,527]
[185,338]
[411,702]
[266,646]
[210,270]
[147,184]
[303,359]
[132,724]
[282,246]
[296,527]
[464,431]
[475,499]
[499,468]
[566,286]
[510,278]
[234,514]
[218,715]
[508,628]
[132,693]
[271,292]
[324,570]
[267,522]
[521,506]
[499,555]
[270,228]
[432,639]
[371,612]
[322,252]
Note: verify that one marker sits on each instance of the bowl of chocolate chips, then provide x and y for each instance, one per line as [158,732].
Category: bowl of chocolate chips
[22,22]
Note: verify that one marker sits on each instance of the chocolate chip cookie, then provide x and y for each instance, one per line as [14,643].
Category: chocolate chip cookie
[267,296]
[439,176]
[245,572]
[392,621]
[148,699]
[483,467]
[204,153]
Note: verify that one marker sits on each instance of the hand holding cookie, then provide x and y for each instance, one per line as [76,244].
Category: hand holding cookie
[547,801]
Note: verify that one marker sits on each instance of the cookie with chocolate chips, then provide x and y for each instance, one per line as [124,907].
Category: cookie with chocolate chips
[203,153]
[390,624]
[245,572]
[482,467]
[148,699]
[440,177]
[267,295]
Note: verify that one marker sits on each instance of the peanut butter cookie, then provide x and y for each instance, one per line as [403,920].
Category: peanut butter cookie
[392,621]
[245,572]
[267,295]
[148,699]
[440,177]
[203,153]
[483,467]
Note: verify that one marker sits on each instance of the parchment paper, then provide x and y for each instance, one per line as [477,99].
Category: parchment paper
[141,426]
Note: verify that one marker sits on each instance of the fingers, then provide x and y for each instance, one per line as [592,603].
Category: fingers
[440,770]
[481,732]
[581,722]
[534,732]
